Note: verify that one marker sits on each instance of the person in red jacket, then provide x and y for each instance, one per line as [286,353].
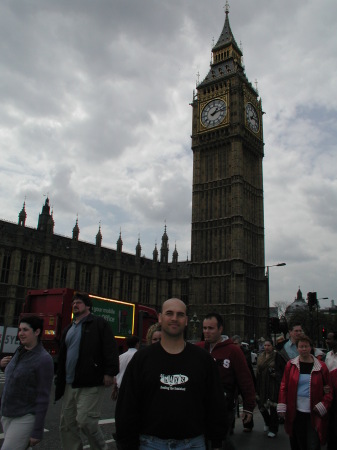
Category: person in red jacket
[304,399]
[233,369]
[332,429]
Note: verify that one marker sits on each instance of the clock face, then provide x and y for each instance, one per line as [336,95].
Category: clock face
[252,118]
[213,113]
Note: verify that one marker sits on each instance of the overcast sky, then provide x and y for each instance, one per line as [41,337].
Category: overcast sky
[94,113]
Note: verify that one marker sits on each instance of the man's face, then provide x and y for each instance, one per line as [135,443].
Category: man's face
[332,343]
[212,333]
[79,307]
[173,319]
[295,333]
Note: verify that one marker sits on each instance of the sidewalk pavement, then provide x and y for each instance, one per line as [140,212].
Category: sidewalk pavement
[258,439]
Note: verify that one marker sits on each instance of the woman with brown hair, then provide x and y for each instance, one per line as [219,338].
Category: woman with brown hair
[28,379]
[305,397]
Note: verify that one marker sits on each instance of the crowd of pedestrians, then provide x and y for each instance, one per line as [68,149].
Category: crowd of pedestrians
[172,393]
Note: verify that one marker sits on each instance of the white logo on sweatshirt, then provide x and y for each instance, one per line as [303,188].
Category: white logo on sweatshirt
[173,382]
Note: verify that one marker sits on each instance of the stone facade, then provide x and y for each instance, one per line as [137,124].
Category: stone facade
[39,259]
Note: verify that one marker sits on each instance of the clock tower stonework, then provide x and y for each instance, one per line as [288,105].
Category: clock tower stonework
[227,250]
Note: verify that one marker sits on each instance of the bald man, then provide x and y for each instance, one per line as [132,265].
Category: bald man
[171,392]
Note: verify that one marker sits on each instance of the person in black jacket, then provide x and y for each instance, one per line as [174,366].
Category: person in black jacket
[88,362]
[171,394]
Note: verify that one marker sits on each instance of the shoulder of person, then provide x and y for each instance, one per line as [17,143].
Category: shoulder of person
[141,356]
[199,353]
[333,375]
[47,363]
[100,321]
[320,365]
[283,354]
[237,350]
[198,347]
[294,362]
[147,350]
[44,353]
[65,331]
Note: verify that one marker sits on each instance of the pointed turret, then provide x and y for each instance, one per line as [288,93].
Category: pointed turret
[164,248]
[76,231]
[226,56]
[119,243]
[175,254]
[46,221]
[138,249]
[155,253]
[23,215]
[299,295]
[99,237]
[226,37]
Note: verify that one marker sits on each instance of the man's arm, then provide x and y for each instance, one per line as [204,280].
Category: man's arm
[44,375]
[128,409]
[245,383]
[280,364]
[110,353]
[216,408]
[283,392]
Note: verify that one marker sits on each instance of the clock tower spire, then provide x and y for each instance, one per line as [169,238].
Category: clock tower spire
[227,254]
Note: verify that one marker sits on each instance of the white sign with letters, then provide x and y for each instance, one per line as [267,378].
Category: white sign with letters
[11,341]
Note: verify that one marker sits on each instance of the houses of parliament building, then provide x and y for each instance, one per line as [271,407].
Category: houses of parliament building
[226,270]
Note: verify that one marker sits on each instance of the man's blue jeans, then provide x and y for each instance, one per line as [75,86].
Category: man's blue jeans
[154,443]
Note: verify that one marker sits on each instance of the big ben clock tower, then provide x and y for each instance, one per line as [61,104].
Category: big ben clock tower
[227,254]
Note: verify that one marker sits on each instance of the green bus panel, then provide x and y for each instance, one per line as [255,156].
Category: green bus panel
[119,315]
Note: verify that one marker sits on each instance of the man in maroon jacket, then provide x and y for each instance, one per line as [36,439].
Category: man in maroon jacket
[233,369]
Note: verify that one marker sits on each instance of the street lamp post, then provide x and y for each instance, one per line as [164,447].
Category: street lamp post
[274,265]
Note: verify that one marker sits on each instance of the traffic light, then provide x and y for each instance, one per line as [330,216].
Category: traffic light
[312,299]
[274,324]
[324,333]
